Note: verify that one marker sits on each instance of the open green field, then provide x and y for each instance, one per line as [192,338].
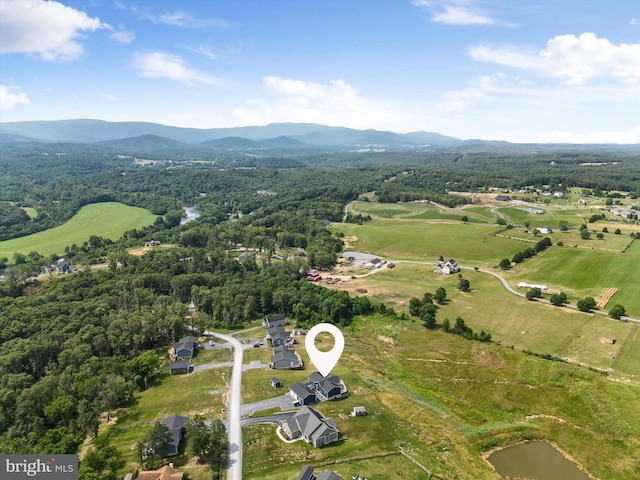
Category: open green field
[107,220]
[171,395]
[448,401]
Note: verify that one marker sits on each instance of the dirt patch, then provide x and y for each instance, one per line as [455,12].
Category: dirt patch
[385,339]
[138,252]
[348,240]
[486,358]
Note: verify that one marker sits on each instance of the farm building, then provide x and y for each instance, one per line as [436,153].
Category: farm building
[608,338]
[449,267]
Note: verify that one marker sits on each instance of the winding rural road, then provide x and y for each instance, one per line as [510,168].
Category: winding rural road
[234,433]
[508,287]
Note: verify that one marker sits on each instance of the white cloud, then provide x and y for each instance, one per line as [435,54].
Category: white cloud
[178,18]
[49,29]
[334,103]
[173,67]
[573,59]
[456,12]
[635,21]
[630,136]
[123,36]
[11,96]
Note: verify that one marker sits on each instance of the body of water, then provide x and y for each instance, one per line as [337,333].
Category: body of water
[192,214]
[537,461]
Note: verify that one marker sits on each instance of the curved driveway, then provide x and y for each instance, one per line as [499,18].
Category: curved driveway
[506,285]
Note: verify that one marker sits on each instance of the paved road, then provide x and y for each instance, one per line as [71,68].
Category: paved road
[285,402]
[234,430]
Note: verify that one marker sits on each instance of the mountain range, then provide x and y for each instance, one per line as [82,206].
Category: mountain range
[269,140]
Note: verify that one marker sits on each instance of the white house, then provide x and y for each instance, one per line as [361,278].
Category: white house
[545,230]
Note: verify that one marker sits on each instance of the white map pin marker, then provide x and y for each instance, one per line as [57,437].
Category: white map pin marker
[324,361]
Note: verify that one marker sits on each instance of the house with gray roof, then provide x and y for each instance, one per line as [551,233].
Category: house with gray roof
[311,425]
[329,387]
[183,349]
[177,426]
[328,475]
[277,336]
[307,474]
[285,359]
[302,394]
[278,320]
[179,368]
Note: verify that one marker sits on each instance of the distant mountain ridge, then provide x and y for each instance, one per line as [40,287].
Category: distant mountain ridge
[272,139]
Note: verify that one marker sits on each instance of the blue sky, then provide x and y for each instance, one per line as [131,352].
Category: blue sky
[517,70]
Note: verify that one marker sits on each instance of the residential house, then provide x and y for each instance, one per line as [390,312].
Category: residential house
[277,336]
[62,266]
[278,320]
[177,428]
[275,382]
[328,475]
[285,359]
[307,474]
[165,473]
[244,257]
[183,349]
[311,425]
[329,387]
[545,230]
[179,368]
[302,394]
[449,267]
[152,243]
[502,198]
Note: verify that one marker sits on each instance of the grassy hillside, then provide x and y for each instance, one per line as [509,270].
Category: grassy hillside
[108,220]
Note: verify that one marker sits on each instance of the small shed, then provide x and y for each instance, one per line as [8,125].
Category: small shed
[608,338]
[275,382]
[359,412]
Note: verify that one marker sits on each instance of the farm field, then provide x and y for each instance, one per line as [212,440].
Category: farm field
[446,401]
[108,220]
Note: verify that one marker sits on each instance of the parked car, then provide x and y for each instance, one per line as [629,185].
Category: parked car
[257,345]
[212,343]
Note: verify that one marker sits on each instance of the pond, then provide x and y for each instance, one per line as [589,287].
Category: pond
[536,461]
[192,214]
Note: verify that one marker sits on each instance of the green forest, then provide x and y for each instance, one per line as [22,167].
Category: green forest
[77,346]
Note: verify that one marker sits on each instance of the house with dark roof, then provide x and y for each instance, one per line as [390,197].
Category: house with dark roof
[502,198]
[307,474]
[183,349]
[328,475]
[302,394]
[277,336]
[177,426]
[285,359]
[311,425]
[179,368]
[329,387]
[278,320]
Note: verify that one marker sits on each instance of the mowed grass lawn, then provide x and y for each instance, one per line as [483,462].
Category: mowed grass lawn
[472,244]
[107,220]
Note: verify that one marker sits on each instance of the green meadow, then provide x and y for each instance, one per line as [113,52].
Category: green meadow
[107,220]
